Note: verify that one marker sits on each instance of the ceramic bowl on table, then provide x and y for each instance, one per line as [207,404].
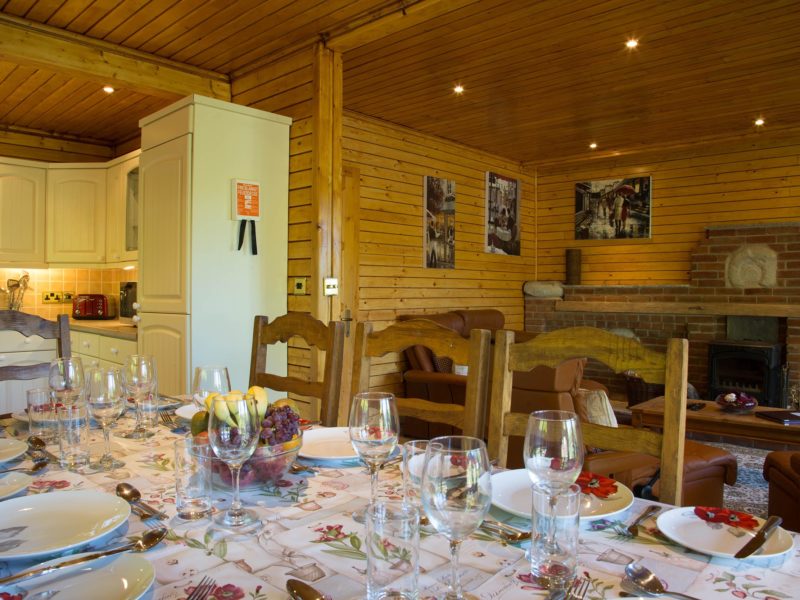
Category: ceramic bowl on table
[266,467]
[736,402]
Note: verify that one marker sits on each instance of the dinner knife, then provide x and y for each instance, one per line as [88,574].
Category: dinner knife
[761,536]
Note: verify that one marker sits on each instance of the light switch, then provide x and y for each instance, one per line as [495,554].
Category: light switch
[330,286]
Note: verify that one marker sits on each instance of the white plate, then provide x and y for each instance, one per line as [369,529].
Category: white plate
[13,483]
[119,577]
[684,527]
[187,411]
[511,492]
[11,449]
[327,443]
[43,524]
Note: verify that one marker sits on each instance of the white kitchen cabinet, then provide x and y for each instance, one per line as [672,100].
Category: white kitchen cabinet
[22,209]
[16,349]
[98,350]
[166,219]
[122,218]
[76,214]
[166,337]
[199,293]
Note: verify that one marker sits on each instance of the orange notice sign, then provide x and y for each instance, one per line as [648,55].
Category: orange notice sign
[246,197]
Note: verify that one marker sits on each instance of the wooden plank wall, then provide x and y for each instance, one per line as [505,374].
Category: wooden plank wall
[755,179]
[32,146]
[392,162]
[286,88]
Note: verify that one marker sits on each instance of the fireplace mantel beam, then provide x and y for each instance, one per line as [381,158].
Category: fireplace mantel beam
[681,308]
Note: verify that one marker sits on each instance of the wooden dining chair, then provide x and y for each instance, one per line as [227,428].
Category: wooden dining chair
[443,342]
[618,353]
[29,325]
[327,338]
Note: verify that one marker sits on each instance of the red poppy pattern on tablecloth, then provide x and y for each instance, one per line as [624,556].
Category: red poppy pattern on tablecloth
[734,518]
[597,485]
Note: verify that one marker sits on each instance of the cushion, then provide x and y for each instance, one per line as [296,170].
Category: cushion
[593,406]
[443,364]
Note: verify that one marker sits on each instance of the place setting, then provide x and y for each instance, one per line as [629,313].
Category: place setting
[45,538]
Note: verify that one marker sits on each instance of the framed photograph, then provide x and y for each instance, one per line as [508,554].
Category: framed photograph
[440,223]
[502,214]
[613,208]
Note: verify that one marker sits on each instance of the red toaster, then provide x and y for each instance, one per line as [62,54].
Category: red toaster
[93,306]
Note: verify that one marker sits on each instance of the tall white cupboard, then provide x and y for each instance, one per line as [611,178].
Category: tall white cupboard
[197,292]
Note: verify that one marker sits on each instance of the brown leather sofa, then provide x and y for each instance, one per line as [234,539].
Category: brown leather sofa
[782,471]
[706,468]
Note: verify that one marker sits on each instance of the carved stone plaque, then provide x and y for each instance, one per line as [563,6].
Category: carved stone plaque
[751,266]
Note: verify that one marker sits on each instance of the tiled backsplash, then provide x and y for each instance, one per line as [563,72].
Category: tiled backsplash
[77,281]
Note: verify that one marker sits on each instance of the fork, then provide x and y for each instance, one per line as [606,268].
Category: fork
[166,419]
[578,589]
[203,589]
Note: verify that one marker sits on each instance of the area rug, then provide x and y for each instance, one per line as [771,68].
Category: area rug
[751,492]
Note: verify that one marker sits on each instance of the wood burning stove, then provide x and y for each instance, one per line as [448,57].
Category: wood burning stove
[746,366]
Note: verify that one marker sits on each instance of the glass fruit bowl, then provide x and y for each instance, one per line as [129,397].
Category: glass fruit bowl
[266,467]
[736,402]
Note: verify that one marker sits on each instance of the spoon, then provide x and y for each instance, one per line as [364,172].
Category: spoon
[37,466]
[38,444]
[127,492]
[296,467]
[302,591]
[645,581]
[633,528]
[149,539]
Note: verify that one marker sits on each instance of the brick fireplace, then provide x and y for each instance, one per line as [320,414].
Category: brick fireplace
[744,270]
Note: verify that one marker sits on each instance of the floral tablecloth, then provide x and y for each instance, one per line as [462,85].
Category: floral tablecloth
[308,534]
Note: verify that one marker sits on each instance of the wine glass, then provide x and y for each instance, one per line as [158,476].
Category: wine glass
[553,455]
[374,429]
[106,400]
[553,452]
[456,493]
[139,378]
[66,380]
[208,380]
[233,430]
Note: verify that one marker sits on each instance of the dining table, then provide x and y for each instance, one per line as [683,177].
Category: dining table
[309,534]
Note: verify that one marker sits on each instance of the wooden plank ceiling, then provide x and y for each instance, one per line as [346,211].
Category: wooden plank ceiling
[543,79]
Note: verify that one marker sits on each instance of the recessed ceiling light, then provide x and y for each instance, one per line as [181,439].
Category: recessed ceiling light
[759,122]
[459,89]
[108,89]
[593,145]
[632,43]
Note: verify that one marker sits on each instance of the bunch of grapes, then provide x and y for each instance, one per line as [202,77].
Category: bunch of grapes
[280,425]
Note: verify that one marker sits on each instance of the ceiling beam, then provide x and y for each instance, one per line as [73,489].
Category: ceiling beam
[374,25]
[27,43]
[358,33]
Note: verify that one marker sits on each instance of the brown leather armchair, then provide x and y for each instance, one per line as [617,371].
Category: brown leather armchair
[431,378]
[782,471]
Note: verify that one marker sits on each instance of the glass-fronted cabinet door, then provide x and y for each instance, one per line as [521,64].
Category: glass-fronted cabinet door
[132,210]
[122,238]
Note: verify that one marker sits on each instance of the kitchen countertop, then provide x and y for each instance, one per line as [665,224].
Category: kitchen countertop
[111,328]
